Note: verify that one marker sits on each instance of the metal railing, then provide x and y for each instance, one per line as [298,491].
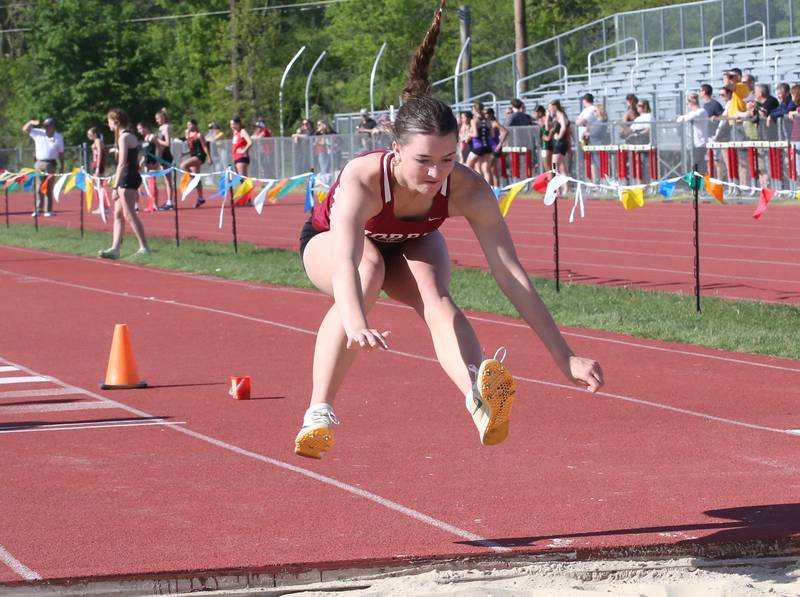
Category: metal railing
[623,43]
[763,38]
[675,27]
[557,67]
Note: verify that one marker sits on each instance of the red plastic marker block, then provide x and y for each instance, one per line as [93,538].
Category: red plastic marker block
[240,387]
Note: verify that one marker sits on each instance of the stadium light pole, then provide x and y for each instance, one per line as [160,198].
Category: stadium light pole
[458,66]
[372,79]
[311,74]
[283,80]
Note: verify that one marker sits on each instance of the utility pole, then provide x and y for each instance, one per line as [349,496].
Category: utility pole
[520,42]
[235,39]
[465,29]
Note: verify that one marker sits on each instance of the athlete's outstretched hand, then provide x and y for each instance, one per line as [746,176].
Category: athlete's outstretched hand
[586,373]
[368,339]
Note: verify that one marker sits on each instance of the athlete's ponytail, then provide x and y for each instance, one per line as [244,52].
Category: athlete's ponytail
[419,69]
[421,113]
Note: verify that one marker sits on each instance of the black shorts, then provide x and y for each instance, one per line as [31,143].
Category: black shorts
[307,232]
[167,156]
[482,150]
[242,160]
[129,180]
[560,146]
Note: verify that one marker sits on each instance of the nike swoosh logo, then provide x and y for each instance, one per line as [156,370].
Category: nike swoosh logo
[433,219]
[478,402]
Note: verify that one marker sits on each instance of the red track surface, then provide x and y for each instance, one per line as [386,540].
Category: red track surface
[648,248]
[685,451]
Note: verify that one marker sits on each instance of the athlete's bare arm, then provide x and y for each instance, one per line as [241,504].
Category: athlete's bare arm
[357,200]
[472,198]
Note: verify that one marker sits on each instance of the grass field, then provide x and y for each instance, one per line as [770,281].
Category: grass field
[742,326]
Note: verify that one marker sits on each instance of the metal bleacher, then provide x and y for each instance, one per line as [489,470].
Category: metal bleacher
[659,54]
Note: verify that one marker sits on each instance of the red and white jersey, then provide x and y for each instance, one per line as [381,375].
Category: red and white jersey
[239,143]
[386,227]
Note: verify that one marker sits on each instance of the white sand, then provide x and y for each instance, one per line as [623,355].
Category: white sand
[778,577]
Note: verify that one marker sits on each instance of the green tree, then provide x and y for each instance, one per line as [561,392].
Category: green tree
[83,57]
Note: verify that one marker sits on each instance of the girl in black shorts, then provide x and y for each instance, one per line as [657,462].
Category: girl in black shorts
[561,136]
[198,152]
[126,184]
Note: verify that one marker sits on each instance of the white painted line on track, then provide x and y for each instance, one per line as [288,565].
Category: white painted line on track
[17,566]
[565,264]
[42,392]
[47,408]
[410,355]
[373,497]
[72,426]
[8,369]
[386,303]
[22,379]
[644,346]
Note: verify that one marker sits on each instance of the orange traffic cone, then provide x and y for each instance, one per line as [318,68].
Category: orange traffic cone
[122,373]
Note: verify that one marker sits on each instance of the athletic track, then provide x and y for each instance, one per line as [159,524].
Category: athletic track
[685,451]
[649,248]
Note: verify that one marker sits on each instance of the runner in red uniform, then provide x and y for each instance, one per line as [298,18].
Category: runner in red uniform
[378,231]
[241,146]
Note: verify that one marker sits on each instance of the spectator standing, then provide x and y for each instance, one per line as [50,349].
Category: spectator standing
[366,128]
[560,135]
[215,141]
[464,137]
[519,117]
[631,113]
[766,103]
[99,151]
[126,185]
[641,125]
[699,119]
[164,144]
[546,137]
[794,117]
[480,158]
[49,149]
[240,146]
[301,141]
[497,137]
[712,107]
[323,148]
[148,160]
[785,105]
[262,133]
[586,122]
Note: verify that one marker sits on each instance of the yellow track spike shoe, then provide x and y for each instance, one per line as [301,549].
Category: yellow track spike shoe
[316,435]
[489,402]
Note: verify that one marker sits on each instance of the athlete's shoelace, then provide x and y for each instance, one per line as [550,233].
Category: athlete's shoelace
[474,369]
[322,416]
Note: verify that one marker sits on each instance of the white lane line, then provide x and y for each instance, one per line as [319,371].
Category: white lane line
[17,566]
[8,369]
[639,345]
[42,392]
[373,497]
[47,408]
[699,414]
[565,264]
[386,303]
[24,379]
[72,427]
[794,431]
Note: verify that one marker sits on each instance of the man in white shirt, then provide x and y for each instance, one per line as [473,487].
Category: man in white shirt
[699,119]
[49,149]
[586,123]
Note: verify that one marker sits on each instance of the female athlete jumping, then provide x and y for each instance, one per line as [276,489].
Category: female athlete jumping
[378,229]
